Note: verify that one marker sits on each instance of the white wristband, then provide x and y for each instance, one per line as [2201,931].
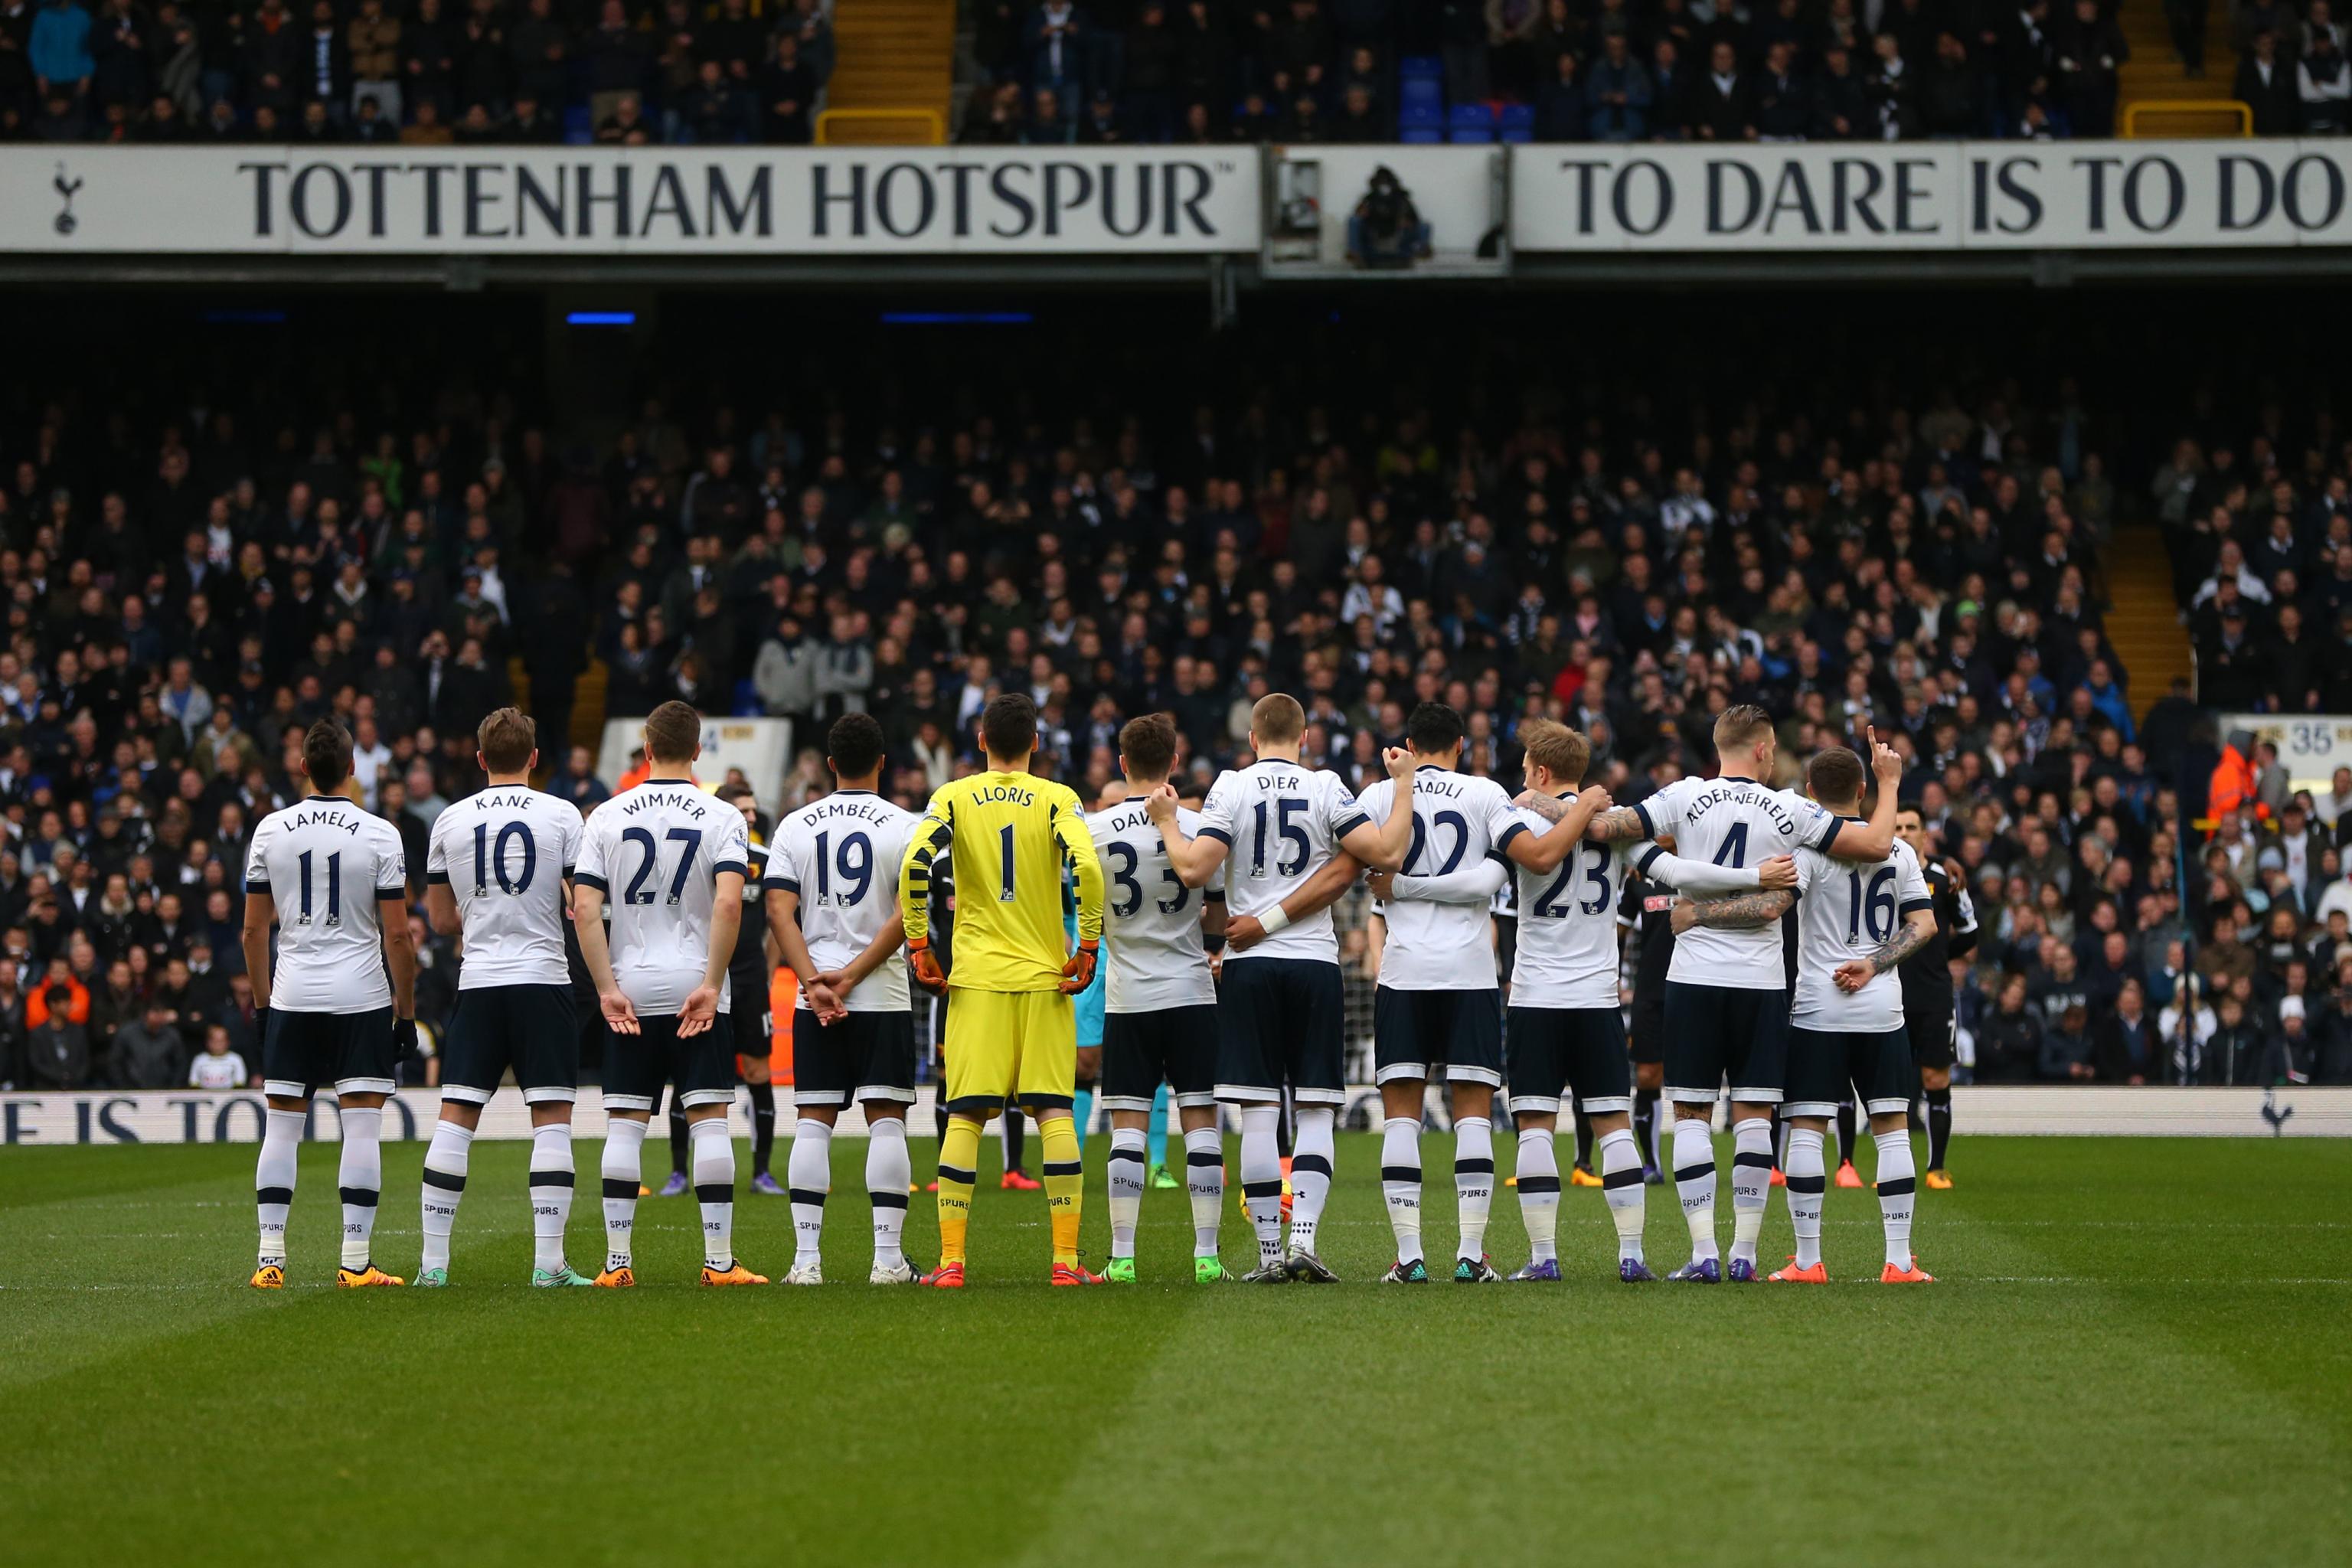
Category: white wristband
[1274,919]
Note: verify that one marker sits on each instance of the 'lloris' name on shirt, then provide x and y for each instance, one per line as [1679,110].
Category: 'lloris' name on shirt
[329,816]
[643,798]
[1014,792]
[1743,794]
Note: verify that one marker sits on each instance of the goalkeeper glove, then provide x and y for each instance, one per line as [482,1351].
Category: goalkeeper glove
[403,1040]
[927,965]
[1079,973]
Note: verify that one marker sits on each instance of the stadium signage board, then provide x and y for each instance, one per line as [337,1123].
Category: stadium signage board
[668,201]
[58,1119]
[1921,196]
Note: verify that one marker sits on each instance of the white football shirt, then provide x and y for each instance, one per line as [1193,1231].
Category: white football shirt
[1151,921]
[1281,822]
[503,853]
[655,853]
[1457,821]
[325,863]
[1566,953]
[1845,909]
[840,856]
[1733,822]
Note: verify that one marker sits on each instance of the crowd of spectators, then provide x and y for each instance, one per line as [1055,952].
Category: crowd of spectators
[732,72]
[192,579]
[418,72]
[2291,68]
[1566,70]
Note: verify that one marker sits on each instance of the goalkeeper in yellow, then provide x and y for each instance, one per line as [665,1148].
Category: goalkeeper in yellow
[1011,1030]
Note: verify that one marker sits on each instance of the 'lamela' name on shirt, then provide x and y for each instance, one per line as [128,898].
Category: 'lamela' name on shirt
[332,816]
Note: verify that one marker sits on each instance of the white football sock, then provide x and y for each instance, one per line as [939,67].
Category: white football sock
[1125,1171]
[359,1176]
[1808,1182]
[1204,1179]
[888,1171]
[625,1144]
[550,1194]
[443,1185]
[1897,1192]
[713,1147]
[1695,1180]
[273,1179]
[1538,1172]
[1262,1177]
[1311,1153]
[1474,1181]
[1401,1182]
[1751,1183]
[1621,1179]
[808,1172]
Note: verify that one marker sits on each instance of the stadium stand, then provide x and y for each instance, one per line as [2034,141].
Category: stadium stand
[402,527]
[436,72]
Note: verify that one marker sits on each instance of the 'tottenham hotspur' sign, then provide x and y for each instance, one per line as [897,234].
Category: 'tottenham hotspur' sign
[1816,197]
[668,201]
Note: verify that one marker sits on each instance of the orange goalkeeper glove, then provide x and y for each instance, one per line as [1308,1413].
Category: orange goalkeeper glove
[1079,973]
[927,965]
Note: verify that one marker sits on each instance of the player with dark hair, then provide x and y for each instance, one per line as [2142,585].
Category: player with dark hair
[747,976]
[1438,1001]
[833,907]
[333,880]
[1011,1033]
[1927,1011]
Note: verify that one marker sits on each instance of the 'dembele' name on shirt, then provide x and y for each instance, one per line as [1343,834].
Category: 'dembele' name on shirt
[645,797]
[326,817]
[857,807]
[1743,792]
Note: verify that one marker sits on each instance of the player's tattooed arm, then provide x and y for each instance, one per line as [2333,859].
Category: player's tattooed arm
[1747,909]
[1618,825]
[1855,973]
[1550,807]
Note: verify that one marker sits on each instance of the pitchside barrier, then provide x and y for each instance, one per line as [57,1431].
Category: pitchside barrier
[196,1116]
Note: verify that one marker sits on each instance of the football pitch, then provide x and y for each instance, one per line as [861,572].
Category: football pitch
[2137,1349]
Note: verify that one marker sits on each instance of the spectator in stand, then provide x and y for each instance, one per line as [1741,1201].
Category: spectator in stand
[59,50]
[790,92]
[218,1067]
[1617,95]
[148,1052]
[2323,82]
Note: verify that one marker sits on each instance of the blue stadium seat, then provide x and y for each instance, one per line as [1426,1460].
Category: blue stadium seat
[1421,89]
[1420,136]
[1471,124]
[1427,117]
[579,129]
[747,700]
[1428,68]
[1518,122]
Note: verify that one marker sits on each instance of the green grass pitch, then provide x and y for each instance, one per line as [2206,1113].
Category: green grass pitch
[2137,1351]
